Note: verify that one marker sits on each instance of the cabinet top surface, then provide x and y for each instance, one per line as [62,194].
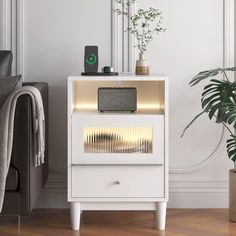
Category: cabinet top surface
[121,76]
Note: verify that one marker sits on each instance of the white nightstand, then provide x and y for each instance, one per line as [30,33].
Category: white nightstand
[127,170]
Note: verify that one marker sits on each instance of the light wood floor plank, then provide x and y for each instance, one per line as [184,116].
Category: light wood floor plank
[180,222]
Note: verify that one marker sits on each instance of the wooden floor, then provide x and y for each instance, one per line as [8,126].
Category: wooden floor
[179,222]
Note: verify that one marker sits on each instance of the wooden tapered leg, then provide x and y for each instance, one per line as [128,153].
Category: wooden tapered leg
[75,215]
[160,219]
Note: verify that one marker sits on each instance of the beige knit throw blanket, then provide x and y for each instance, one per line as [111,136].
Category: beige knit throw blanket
[7,115]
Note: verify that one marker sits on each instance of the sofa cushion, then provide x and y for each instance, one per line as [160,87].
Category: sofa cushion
[12,182]
[7,85]
[5,62]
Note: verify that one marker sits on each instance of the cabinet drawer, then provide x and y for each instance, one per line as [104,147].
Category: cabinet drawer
[117,181]
[117,139]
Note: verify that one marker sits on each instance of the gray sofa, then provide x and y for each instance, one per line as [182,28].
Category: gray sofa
[24,181]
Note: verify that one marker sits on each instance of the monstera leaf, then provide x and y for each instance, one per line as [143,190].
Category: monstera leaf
[209,73]
[229,110]
[231,148]
[218,99]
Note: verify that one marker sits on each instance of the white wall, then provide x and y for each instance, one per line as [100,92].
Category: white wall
[54,35]
[193,42]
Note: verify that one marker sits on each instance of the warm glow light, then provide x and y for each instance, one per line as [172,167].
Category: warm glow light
[86,106]
[148,106]
[142,106]
[117,140]
[162,107]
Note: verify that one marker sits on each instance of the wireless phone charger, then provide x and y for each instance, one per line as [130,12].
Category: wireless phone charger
[91,59]
[91,63]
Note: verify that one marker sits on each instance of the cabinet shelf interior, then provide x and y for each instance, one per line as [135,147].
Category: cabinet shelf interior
[150,95]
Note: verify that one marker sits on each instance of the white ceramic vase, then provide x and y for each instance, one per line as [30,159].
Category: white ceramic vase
[142,67]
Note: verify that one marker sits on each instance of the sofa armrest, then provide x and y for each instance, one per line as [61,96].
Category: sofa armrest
[32,178]
[43,89]
[23,125]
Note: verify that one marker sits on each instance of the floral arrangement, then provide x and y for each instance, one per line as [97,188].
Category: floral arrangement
[144,24]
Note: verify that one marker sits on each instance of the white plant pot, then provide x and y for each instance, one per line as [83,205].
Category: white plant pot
[142,67]
[232,195]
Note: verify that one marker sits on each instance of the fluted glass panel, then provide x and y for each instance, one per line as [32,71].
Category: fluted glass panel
[118,140]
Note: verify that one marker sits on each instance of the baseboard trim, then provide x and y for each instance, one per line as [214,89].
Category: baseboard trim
[203,193]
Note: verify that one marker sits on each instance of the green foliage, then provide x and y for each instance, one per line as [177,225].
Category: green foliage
[218,101]
[143,24]
[216,98]
[231,148]
[209,73]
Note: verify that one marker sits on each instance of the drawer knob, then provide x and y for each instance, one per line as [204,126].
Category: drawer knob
[117,182]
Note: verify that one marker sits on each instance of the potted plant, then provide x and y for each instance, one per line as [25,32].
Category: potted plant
[143,25]
[218,101]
